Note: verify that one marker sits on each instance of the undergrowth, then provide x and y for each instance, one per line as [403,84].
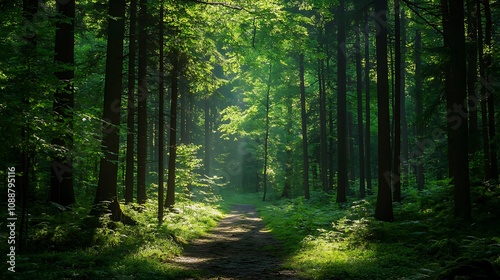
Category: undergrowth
[72,245]
[327,240]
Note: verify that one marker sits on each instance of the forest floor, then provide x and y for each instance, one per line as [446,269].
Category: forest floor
[240,247]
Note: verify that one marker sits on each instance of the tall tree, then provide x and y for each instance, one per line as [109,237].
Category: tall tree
[174,76]
[367,107]
[457,124]
[472,70]
[419,109]
[61,183]
[108,171]
[161,120]
[342,184]
[488,60]
[359,94]
[130,159]
[305,155]
[383,210]
[142,125]
[395,178]
[266,138]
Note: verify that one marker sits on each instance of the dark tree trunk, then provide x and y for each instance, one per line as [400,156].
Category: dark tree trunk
[106,195]
[367,110]
[359,92]
[61,183]
[484,93]
[305,156]
[404,122]
[472,73]
[266,139]
[129,172]
[322,124]
[488,59]
[419,111]
[395,176]
[287,188]
[170,199]
[383,210]
[342,184]
[161,117]
[208,135]
[142,124]
[457,123]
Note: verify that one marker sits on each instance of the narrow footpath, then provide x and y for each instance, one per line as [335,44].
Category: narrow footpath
[240,247]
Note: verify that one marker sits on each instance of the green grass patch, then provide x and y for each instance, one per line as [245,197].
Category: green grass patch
[327,240]
[71,245]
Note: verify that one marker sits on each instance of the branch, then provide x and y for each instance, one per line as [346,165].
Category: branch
[224,4]
[411,6]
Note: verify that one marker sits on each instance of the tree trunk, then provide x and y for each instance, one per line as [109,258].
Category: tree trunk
[208,142]
[170,200]
[142,124]
[287,188]
[395,176]
[404,122]
[106,195]
[383,210]
[129,172]
[342,184]
[367,110]
[419,111]
[457,123]
[359,92]
[305,156]
[266,139]
[488,59]
[61,190]
[161,117]
[472,73]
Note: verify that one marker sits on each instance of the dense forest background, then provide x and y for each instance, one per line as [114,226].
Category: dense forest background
[365,128]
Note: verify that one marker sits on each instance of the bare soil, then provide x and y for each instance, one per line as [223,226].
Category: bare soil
[240,247]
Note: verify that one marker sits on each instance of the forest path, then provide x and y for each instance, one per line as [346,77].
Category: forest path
[239,247]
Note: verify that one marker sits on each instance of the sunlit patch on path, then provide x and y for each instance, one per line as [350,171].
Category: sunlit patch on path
[238,248]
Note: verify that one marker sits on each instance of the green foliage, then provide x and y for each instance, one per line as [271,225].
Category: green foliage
[326,240]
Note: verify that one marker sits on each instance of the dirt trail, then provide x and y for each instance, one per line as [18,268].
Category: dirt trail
[238,248]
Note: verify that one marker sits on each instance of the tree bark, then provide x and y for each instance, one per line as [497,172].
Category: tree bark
[472,72]
[305,156]
[342,184]
[170,199]
[62,191]
[383,210]
[106,195]
[142,125]
[367,109]
[419,164]
[129,172]
[161,117]
[395,176]
[359,92]
[266,139]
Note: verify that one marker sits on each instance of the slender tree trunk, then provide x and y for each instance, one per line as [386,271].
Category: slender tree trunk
[305,156]
[129,172]
[342,184]
[383,210]
[484,94]
[107,186]
[367,109]
[62,191]
[322,125]
[208,133]
[287,188]
[266,139]
[359,92]
[419,111]
[472,72]
[488,59]
[142,125]
[170,200]
[395,178]
[404,122]
[457,123]
[161,117]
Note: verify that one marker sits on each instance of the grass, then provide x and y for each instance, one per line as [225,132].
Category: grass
[70,245]
[327,240]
